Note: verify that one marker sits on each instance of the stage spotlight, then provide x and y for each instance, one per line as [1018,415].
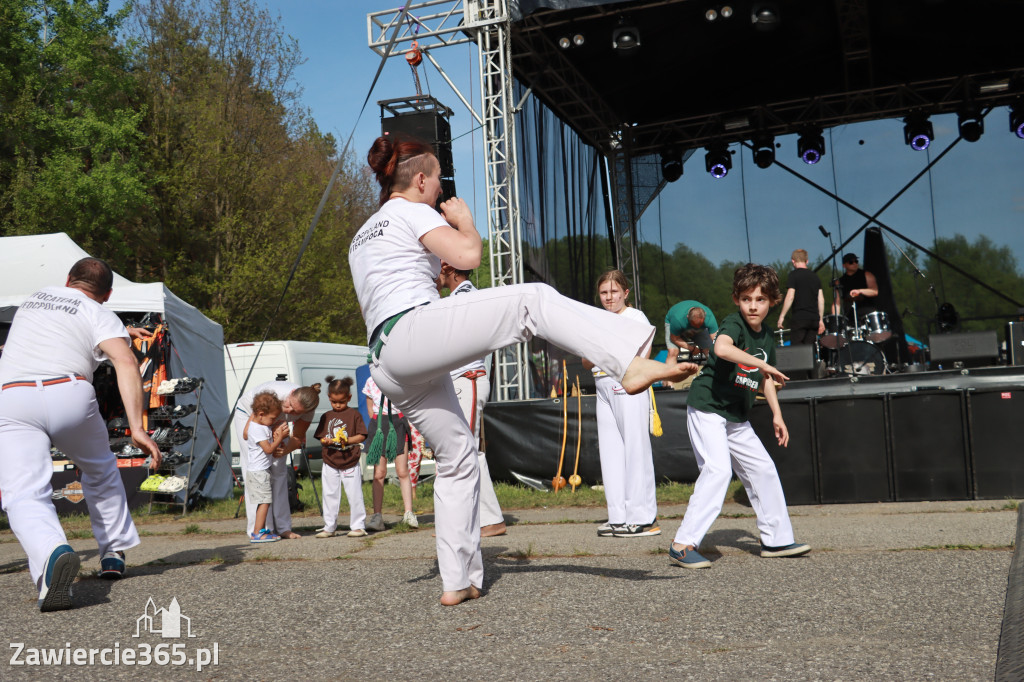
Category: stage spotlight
[764,151]
[1017,120]
[564,43]
[726,11]
[625,38]
[970,124]
[711,15]
[718,161]
[810,147]
[578,40]
[765,16]
[918,132]
[671,165]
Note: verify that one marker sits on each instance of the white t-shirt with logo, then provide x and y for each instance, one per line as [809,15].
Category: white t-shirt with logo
[56,332]
[258,459]
[629,313]
[465,288]
[391,270]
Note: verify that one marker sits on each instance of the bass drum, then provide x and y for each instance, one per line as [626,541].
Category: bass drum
[861,358]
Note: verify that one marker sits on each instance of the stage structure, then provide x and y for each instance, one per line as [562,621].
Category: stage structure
[647,83]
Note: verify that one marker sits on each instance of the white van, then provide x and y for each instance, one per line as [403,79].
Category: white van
[304,363]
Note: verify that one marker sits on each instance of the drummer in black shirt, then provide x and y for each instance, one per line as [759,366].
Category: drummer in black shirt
[858,286]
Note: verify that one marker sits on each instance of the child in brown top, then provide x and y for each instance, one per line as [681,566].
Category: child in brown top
[340,431]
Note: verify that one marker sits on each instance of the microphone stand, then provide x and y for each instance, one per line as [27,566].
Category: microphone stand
[837,290]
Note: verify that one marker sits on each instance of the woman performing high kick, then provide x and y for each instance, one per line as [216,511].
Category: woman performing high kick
[416,338]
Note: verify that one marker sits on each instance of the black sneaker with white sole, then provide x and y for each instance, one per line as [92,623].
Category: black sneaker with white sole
[631,530]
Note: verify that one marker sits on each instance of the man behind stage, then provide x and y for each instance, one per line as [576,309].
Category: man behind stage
[858,286]
[58,338]
[683,324]
[805,297]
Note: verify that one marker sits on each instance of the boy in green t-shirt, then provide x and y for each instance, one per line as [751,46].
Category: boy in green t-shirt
[739,366]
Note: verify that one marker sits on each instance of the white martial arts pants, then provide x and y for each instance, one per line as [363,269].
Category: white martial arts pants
[472,395]
[432,340]
[627,465]
[716,442]
[66,415]
[279,516]
[332,481]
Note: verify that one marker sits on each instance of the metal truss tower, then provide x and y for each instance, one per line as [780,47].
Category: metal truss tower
[440,23]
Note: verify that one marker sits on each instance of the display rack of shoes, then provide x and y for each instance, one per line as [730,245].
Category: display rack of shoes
[172,483]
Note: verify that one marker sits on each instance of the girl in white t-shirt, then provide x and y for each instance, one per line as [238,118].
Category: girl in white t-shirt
[623,435]
[416,338]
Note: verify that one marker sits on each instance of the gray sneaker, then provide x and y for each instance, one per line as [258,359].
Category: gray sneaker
[375,523]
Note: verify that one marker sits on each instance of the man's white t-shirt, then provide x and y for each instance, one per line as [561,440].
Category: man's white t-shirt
[258,459]
[282,389]
[630,313]
[391,269]
[465,288]
[56,332]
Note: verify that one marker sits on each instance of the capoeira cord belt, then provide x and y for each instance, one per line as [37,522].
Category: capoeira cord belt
[42,382]
[378,446]
[380,335]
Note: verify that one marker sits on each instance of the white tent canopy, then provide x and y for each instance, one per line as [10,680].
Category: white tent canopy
[32,262]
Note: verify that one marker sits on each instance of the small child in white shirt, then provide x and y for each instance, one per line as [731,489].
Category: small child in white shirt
[262,439]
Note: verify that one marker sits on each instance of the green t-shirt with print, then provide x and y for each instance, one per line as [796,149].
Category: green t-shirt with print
[726,388]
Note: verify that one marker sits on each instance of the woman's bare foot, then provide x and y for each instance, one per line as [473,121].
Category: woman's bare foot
[642,372]
[459,596]
[290,535]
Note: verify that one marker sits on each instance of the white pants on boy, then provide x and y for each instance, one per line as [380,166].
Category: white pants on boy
[333,480]
[717,442]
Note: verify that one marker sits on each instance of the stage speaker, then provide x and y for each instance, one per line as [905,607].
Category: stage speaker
[970,348]
[796,362]
[853,462]
[795,463]
[995,443]
[929,446]
[430,127]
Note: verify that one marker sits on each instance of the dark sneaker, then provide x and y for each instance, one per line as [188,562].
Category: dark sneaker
[172,411]
[687,558]
[607,530]
[112,566]
[61,571]
[631,530]
[795,549]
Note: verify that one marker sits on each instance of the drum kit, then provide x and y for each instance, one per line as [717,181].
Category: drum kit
[846,349]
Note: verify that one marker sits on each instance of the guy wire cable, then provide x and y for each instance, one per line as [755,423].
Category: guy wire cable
[316,216]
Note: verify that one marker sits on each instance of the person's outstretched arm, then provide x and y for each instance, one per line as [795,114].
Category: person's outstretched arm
[129,385]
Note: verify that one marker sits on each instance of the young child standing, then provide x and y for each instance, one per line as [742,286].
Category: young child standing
[341,430]
[739,366]
[261,442]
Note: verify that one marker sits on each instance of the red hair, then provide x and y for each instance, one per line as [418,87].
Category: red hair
[396,162]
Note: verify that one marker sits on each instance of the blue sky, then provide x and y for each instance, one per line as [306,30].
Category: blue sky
[976,189]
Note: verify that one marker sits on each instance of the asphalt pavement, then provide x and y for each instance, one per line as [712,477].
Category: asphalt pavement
[898,591]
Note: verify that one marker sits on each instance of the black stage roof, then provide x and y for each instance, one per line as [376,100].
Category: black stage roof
[822,62]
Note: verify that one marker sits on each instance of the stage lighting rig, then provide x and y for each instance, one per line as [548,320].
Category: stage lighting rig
[577,40]
[1017,119]
[625,38]
[918,132]
[810,147]
[765,16]
[764,150]
[671,165]
[717,161]
[714,13]
[970,123]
